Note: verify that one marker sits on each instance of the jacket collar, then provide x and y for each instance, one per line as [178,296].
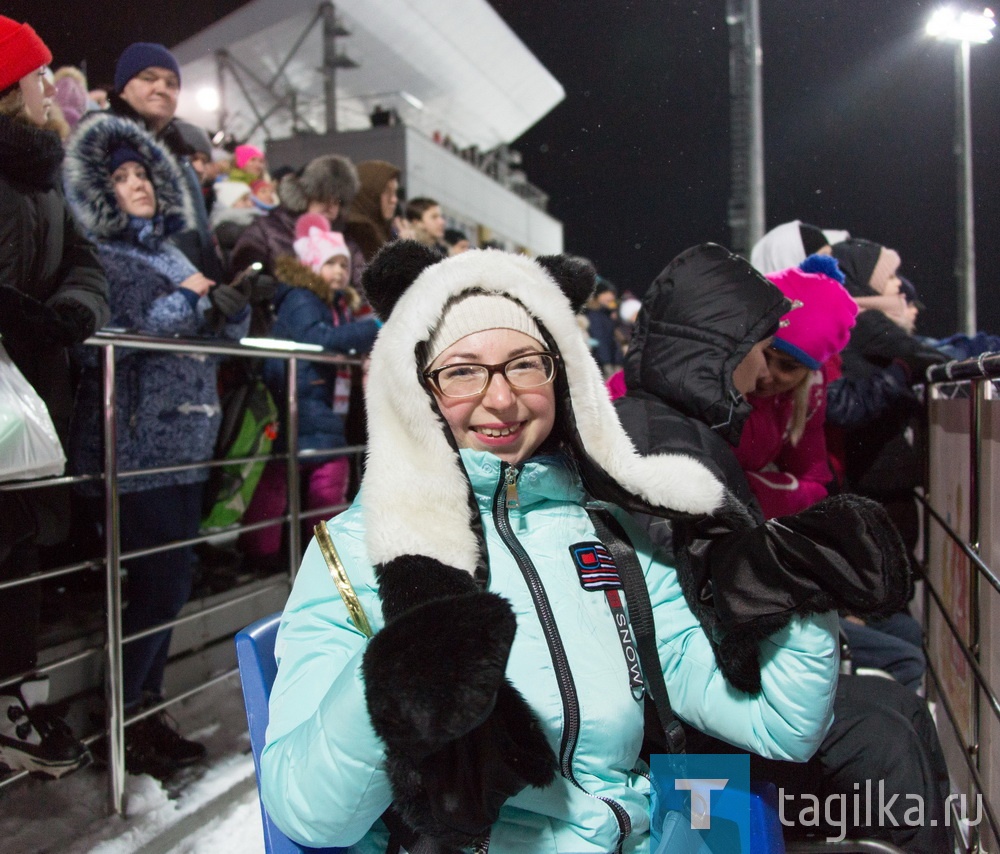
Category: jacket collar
[29,156]
[541,478]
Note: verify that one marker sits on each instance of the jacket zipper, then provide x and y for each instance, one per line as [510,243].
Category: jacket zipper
[507,489]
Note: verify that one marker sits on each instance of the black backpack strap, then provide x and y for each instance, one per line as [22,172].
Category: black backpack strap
[640,611]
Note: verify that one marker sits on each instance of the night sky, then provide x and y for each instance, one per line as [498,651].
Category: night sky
[858,113]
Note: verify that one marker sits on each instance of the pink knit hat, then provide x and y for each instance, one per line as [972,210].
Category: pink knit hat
[244,152]
[819,324]
[316,244]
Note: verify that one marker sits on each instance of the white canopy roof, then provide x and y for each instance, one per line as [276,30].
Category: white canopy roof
[475,79]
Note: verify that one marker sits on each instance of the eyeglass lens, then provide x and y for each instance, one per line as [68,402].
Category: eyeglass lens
[527,371]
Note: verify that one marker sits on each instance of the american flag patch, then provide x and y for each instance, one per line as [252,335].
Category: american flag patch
[596,566]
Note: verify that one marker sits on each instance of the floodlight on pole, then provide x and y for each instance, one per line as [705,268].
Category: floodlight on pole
[964,29]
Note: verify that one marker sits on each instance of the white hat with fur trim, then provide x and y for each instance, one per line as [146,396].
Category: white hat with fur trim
[411,452]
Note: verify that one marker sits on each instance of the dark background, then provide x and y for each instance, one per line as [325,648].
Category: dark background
[858,112]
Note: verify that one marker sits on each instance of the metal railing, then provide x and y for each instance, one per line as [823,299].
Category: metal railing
[113,558]
[972,709]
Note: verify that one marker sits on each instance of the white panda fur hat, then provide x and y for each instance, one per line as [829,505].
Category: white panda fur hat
[417,496]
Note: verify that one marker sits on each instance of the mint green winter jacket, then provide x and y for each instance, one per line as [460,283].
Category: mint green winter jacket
[322,778]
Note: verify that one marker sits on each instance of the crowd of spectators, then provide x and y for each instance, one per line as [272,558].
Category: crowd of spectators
[789,376]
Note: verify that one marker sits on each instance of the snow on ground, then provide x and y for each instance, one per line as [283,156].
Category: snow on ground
[199,812]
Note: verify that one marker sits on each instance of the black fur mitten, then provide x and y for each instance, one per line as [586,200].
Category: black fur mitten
[842,553]
[460,739]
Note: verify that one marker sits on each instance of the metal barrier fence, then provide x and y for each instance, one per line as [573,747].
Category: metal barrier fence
[961,588]
[114,557]
[961,544]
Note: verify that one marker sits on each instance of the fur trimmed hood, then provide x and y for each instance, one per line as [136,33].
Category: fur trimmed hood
[411,453]
[87,178]
[292,272]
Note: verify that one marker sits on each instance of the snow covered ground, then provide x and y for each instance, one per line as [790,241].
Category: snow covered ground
[212,809]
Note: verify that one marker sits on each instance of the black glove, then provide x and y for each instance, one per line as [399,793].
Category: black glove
[227,300]
[460,740]
[258,286]
[262,288]
[76,322]
[842,553]
[39,326]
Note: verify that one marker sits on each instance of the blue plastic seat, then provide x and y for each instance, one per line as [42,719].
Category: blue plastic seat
[255,655]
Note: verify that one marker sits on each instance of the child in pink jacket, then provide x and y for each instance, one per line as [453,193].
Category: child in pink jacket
[782,449]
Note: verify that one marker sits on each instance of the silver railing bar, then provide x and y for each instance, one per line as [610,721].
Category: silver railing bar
[967,550]
[204,612]
[986,366]
[55,665]
[53,573]
[38,483]
[325,511]
[169,701]
[970,764]
[215,347]
[113,688]
[967,653]
[21,486]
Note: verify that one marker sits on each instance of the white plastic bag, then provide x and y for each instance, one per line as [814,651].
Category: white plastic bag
[29,444]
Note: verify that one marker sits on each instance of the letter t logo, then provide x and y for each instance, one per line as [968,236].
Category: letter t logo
[701,798]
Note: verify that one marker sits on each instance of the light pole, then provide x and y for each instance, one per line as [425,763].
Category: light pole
[964,29]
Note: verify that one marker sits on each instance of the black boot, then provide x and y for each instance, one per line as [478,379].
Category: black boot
[33,738]
[159,734]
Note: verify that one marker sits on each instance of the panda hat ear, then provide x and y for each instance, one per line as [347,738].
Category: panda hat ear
[575,276]
[393,269]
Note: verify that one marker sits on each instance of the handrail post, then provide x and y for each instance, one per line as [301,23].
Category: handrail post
[980,392]
[292,443]
[112,529]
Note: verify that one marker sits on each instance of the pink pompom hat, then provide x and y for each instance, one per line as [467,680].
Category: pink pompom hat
[822,316]
[316,243]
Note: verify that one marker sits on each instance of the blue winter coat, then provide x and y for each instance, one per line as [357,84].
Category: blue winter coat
[303,316]
[322,770]
[167,404]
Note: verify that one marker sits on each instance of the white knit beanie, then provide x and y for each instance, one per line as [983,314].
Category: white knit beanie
[477,313]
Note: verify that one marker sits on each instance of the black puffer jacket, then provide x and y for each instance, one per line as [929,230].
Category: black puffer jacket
[43,256]
[744,578]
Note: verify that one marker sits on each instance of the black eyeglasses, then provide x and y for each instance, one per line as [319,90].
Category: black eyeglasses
[528,370]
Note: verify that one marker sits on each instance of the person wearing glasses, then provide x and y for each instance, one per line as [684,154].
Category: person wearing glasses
[452,644]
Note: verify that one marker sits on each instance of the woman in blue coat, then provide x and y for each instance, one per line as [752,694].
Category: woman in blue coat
[127,191]
[494,700]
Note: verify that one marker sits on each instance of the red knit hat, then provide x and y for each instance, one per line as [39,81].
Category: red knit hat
[819,324]
[21,52]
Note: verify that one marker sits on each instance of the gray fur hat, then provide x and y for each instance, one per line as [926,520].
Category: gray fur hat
[87,177]
[325,178]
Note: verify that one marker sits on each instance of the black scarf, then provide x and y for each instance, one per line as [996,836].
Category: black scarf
[170,136]
[30,157]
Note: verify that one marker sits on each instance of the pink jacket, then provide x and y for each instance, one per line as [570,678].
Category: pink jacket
[786,479]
